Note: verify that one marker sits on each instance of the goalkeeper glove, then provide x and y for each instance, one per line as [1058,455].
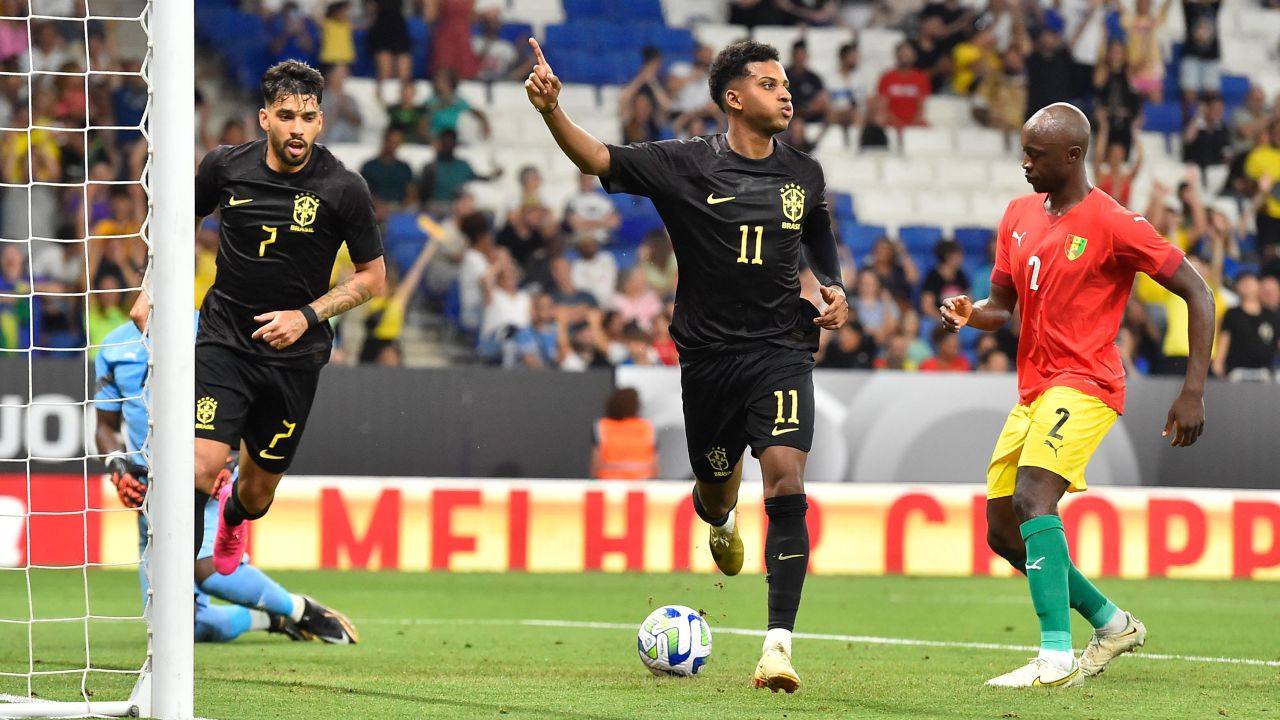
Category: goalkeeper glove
[127,477]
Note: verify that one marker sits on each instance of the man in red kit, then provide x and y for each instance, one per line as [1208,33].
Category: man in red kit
[1066,256]
[905,87]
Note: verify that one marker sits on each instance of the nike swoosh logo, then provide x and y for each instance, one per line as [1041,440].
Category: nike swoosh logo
[781,431]
[713,200]
[789,557]
[238,201]
[268,456]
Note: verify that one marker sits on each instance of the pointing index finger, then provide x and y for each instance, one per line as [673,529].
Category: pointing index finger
[537,51]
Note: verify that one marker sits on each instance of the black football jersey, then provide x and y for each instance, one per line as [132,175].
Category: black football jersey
[737,226]
[279,237]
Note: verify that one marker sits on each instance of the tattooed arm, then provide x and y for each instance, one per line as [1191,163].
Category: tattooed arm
[282,328]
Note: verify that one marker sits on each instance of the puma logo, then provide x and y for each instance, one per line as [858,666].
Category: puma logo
[1051,447]
[1019,236]
[1035,565]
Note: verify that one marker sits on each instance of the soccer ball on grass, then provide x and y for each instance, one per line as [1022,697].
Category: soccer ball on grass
[674,640]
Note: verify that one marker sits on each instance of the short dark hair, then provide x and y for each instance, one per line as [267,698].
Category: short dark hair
[474,226]
[847,48]
[649,52]
[945,248]
[800,44]
[623,403]
[731,64]
[291,77]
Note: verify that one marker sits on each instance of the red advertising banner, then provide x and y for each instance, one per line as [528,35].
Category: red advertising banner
[43,519]
[572,526]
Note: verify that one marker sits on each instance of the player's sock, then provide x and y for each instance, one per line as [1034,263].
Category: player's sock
[202,499]
[1092,605]
[1047,570]
[786,552]
[250,587]
[778,636]
[702,512]
[224,623]
[235,513]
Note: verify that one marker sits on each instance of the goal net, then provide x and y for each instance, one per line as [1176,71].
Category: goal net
[85,629]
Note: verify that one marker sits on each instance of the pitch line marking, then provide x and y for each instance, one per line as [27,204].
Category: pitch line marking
[867,639]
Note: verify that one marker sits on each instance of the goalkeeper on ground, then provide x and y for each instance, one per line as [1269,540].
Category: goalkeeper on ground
[260,603]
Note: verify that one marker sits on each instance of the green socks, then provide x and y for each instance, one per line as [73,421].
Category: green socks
[1048,569]
[1088,601]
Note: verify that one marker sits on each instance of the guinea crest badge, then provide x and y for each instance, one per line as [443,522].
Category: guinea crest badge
[1075,246]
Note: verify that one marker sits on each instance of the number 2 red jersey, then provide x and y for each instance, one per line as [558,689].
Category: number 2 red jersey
[1073,275]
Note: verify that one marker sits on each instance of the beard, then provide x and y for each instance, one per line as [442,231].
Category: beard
[281,150]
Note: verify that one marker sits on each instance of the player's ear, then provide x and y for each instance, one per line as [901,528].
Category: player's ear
[319,122]
[732,99]
[262,119]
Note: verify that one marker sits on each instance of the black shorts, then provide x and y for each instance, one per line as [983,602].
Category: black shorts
[265,405]
[755,399]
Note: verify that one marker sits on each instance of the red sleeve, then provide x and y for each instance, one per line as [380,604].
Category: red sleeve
[881,89]
[1001,271]
[1138,247]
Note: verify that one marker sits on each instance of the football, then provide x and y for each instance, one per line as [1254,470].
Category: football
[674,640]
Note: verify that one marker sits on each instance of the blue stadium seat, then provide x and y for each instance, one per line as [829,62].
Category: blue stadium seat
[860,238]
[1171,89]
[671,41]
[842,208]
[1164,117]
[585,9]
[648,11]
[420,44]
[515,32]
[404,239]
[920,238]
[974,240]
[1234,89]
[363,66]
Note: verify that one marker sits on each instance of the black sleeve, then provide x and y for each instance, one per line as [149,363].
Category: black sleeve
[209,181]
[364,240]
[640,169]
[933,282]
[819,242]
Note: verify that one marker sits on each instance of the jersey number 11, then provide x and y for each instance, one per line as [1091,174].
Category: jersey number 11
[742,256]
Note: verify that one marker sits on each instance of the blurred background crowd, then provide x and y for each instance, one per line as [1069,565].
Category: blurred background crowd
[501,253]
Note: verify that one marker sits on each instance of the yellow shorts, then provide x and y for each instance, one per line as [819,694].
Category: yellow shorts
[1059,432]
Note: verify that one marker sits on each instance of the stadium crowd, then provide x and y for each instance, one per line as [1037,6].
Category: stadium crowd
[550,284]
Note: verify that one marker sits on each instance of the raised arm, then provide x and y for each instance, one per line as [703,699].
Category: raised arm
[589,154]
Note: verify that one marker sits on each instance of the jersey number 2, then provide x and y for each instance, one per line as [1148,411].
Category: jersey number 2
[742,256]
[1034,262]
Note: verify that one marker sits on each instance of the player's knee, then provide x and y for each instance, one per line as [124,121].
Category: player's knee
[1027,506]
[207,470]
[1004,546]
[784,483]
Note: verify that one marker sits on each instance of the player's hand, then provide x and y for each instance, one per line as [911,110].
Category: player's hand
[225,474]
[125,476]
[955,312]
[543,86]
[1186,419]
[837,311]
[282,328]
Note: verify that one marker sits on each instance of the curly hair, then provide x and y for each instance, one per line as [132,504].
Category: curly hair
[731,64]
[291,77]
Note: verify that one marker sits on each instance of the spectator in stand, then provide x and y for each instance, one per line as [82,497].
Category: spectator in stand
[389,43]
[342,120]
[905,88]
[48,49]
[591,212]
[476,263]
[895,269]
[643,104]
[1086,26]
[583,346]
[851,90]
[452,243]
[389,178]
[1206,141]
[808,95]
[849,348]
[945,279]
[933,56]
[1262,166]
[1116,97]
[575,304]
[594,270]
[13,34]
[450,22]
[918,348]
[624,445]
[117,248]
[658,261]
[1001,98]
[1142,31]
[206,258]
[874,307]
[1201,52]
[1110,173]
[507,311]
[955,21]
[538,345]
[293,34]
[384,315]
[337,43]
[496,57]
[637,303]
[811,13]
[446,107]
[1176,350]
[409,117]
[663,344]
[894,356]
[754,12]
[444,176]
[1249,338]
[528,231]
[687,87]
[15,311]
[1249,121]
[1049,71]
[129,102]
[974,59]
[993,361]
[876,125]
[946,353]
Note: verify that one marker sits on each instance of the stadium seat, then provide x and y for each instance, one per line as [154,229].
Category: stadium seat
[578,97]
[420,44]
[1234,89]
[943,111]
[919,238]
[670,40]
[952,174]
[515,32]
[538,13]
[717,36]
[977,142]
[642,11]
[861,238]
[974,240]
[1162,117]
[779,36]
[585,9]
[690,13]
[896,172]
[926,142]
[880,205]
[842,207]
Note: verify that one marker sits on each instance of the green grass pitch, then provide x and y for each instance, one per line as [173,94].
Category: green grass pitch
[451,646]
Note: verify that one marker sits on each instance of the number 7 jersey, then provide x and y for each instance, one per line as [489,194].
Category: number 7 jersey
[1073,275]
[737,226]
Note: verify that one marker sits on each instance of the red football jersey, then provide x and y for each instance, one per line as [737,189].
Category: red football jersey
[1073,275]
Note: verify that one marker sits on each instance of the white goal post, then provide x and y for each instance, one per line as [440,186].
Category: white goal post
[164,685]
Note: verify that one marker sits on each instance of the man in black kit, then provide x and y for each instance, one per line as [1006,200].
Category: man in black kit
[287,207]
[739,206]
